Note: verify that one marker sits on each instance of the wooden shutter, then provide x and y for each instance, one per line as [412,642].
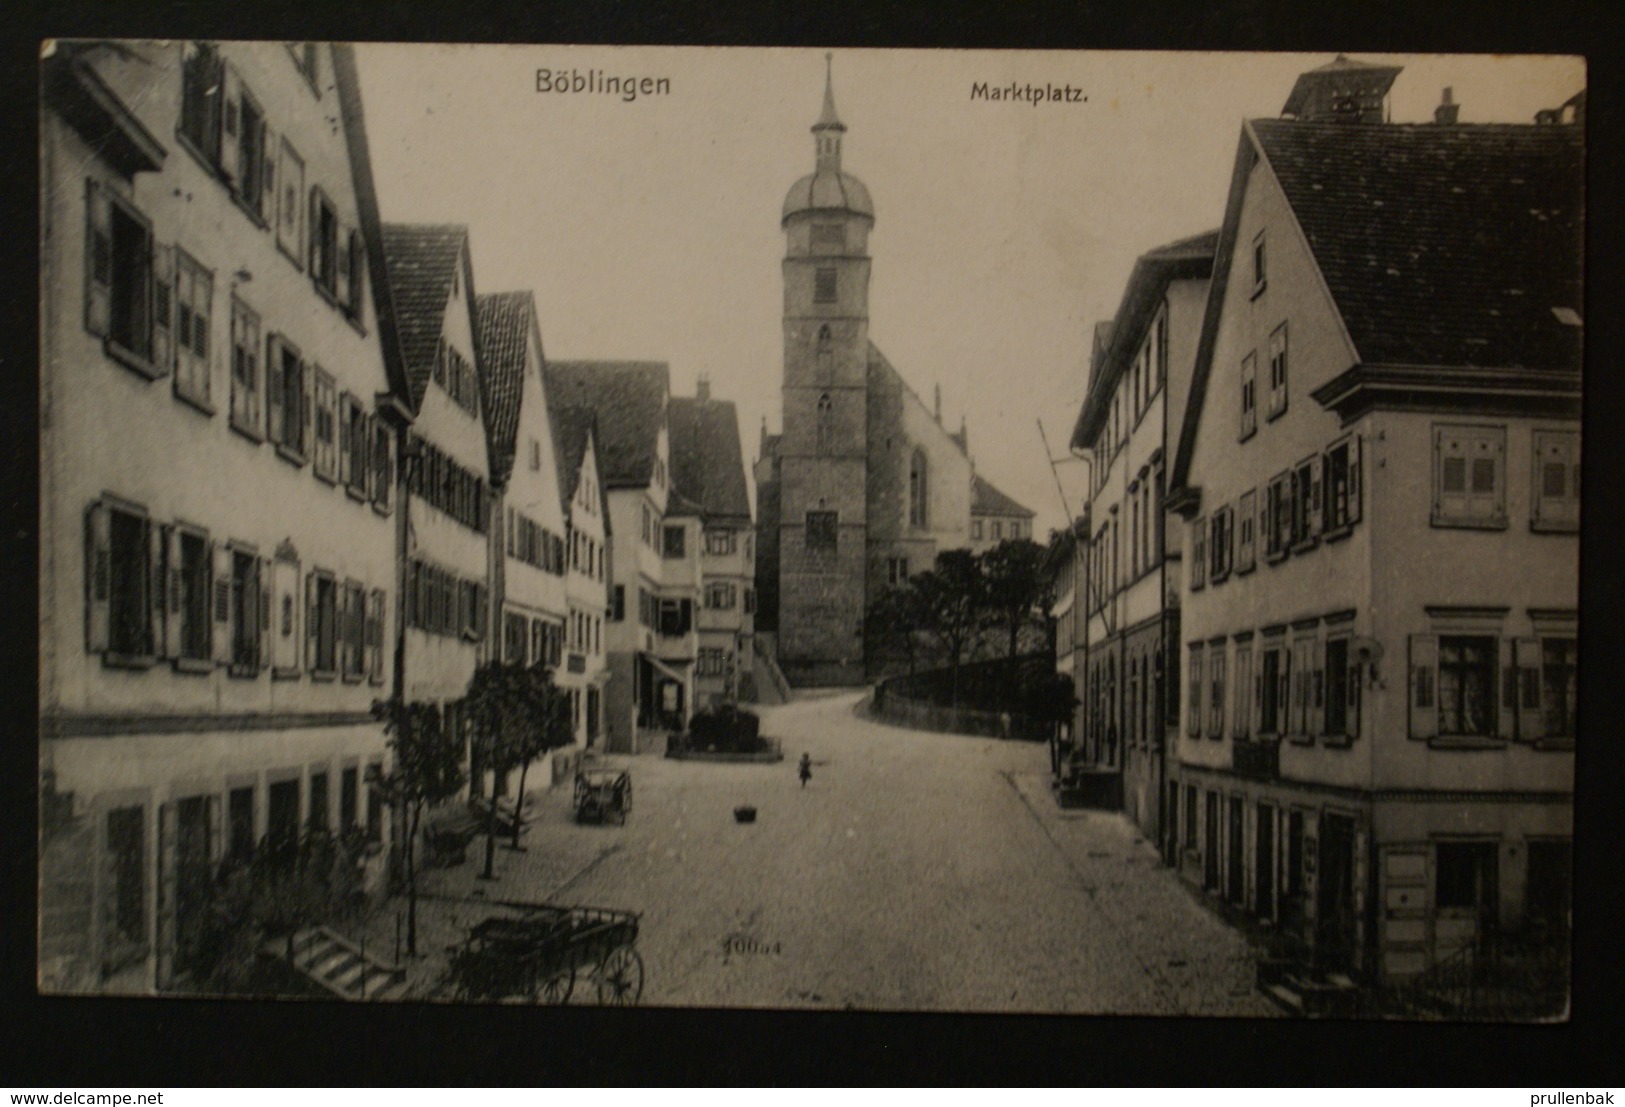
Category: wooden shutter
[265,612]
[98,576]
[1316,496]
[231,103]
[98,259]
[1504,690]
[347,618]
[370,474]
[276,418]
[157,594]
[165,944]
[163,308]
[268,159]
[1315,687]
[1283,691]
[341,266]
[1531,720]
[312,622]
[1351,714]
[220,602]
[285,597]
[375,636]
[409,600]
[174,580]
[307,375]
[342,419]
[1354,479]
[1424,686]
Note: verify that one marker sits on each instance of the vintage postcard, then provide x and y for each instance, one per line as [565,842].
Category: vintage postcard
[1042,532]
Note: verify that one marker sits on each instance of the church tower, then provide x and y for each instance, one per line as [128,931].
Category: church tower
[823,452]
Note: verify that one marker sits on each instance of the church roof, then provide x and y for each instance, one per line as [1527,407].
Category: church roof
[707,463]
[628,398]
[422,260]
[828,190]
[987,500]
[502,323]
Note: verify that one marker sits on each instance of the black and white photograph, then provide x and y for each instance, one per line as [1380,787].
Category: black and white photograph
[781,528]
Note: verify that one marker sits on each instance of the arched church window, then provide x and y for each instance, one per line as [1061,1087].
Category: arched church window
[918,490]
[825,424]
[825,355]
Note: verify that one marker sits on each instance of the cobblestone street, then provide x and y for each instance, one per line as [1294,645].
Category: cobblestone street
[916,872]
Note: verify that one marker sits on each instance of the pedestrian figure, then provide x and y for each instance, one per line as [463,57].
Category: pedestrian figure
[805,769]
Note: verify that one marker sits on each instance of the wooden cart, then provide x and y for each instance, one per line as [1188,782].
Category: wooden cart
[600,793]
[536,953]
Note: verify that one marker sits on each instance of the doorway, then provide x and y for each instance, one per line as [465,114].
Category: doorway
[1334,903]
[1466,895]
[1236,878]
[1264,863]
[1210,844]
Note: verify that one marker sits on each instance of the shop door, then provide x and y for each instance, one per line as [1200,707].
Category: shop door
[193,857]
[1210,851]
[1334,905]
[1264,863]
[1236,878]
[1466,895]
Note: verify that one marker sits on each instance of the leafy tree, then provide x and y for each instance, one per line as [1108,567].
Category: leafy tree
[1016,585]
[889,626]
[517,714]
[426,769]
[949,600]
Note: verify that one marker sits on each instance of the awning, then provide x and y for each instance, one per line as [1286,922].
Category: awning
[661,667]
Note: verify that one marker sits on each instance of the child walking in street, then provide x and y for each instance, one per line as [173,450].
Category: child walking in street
[805,769]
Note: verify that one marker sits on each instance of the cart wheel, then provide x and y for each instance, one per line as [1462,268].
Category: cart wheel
[620,977]
[555,989]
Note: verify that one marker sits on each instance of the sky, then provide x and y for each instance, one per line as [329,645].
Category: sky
[649,229]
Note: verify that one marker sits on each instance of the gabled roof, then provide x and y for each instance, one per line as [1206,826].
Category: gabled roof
[1317,92]
[1444,248]
[574,429]
[421,260]
[629,400]
[707,462]
[878,365]
[987,500]
[1117,341]
[502,323]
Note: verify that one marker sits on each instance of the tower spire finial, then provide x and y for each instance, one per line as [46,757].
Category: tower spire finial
[827,131]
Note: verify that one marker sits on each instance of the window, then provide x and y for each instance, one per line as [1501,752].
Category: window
[675,617]
[291,207]
[1469,476]
[1246,528]
[1274,669]
[998,530]
[720,596]
[356,258]
[321,624]
[1215,718]
[1465,875]
[383,464]
[824,288]
[1278,371]
[896,570]
[1466,682]
[1249,395]
[1559,663]
[251,182]
[821,531]
[119,278]
[824,426]
[919,491]
[124,897]
[250,612]
[829,238]
[287,386]
[355,448]
[648,526]
[1198,554]
[1306,689]
[1260,271]
[617,608]
[202,76]
[189,593]
[245,369]
[720,542]
[353,630]
[1275,522]
[120,577]
[324,243]
[675,542]
[1340,683]
[1306,505]
[1342,484]
[514,629]
[1239,722]
[194,292]
[1193,717]
[1557,481]
[976,530]
[1221,557]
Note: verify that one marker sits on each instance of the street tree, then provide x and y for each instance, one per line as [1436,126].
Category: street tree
[1017,588]
[890,623]
[949,602]
[426,768]
[516,714]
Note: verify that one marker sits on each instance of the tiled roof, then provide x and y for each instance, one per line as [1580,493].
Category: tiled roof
[987,500]
[1442,245]
[421,260]
[707,463]
[572,427]
[629,400]
[502,322]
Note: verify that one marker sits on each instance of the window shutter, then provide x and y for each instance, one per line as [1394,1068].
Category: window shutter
[386,491]
[312,622]
[1424,683]
[1316,497]
[1283,693]
[98,259]
[307,375]
[174,579]
[157,594]
[231,101]
[268,157]
[369,637]
[1315,688]
[342,417]
[274,390]
[342,266]
[1354,478]
[263,609]
[1531,721]
[1258,694]
[358,273]
[163,308]
[313,232]
[220,593]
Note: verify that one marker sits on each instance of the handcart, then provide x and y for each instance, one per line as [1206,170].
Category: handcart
[600,793]
[536,953]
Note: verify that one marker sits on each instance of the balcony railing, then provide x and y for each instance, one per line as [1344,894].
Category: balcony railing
[1257,760]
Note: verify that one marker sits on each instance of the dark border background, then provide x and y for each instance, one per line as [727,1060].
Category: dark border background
[57,1044]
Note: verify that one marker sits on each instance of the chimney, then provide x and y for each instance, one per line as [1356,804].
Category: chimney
[702,388]
[1445,114]
[939,405]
